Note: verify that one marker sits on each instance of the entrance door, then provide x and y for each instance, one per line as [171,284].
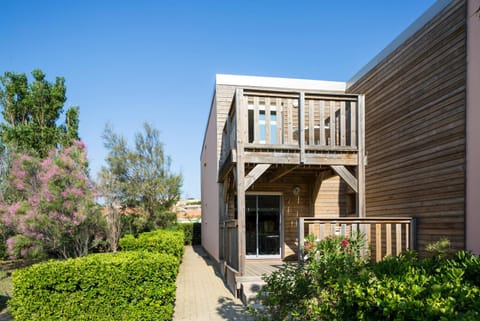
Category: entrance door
[263,225]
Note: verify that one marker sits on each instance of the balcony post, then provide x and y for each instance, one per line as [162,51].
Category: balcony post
[241,119]
[301,236]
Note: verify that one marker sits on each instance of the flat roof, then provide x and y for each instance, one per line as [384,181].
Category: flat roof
[280,83]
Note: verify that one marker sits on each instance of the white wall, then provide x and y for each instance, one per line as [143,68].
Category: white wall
[473,129]
[210,187]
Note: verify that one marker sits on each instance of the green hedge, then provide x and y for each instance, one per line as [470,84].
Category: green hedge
[169,242]
[192,232]
[120,286]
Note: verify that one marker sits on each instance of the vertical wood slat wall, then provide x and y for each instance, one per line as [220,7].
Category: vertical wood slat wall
[383,238]
[415,129]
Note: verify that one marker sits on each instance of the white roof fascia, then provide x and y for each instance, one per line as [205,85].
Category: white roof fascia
[400,39]
[280,83]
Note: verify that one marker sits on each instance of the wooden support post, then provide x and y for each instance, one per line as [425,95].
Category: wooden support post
[361,207]
[301,236]
[413,233]
[241,118]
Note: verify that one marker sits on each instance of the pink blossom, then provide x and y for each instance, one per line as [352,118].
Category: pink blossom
[19,185]
[10,244]
[344,243]
[13,209]
[24,252]
[19,174]
[79,144]
[48,196]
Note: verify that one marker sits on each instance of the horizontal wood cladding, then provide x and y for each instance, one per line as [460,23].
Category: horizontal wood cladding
[415,129]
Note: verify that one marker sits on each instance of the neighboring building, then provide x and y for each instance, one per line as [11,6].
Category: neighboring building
[278,149]
[422,131]
[188,211]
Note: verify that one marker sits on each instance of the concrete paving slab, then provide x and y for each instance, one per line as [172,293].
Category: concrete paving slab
[201,293]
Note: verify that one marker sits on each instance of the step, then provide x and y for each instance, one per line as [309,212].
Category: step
[249,290]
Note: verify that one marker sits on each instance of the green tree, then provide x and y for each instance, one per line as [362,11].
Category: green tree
[4,168]
[31,113]
[140,178]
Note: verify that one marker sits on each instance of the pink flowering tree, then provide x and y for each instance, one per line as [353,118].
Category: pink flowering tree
[51,207]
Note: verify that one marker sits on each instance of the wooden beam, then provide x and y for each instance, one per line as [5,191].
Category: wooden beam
[280,173]
[241,118]
[255,174]
[345,174]
[349,159]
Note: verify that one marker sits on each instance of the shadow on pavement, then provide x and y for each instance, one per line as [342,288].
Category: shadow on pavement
[228,308]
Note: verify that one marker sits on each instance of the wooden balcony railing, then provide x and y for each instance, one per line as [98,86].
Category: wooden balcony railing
[230,243]
[294,122]
[384,235]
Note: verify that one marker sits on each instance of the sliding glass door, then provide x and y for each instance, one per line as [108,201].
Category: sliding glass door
[263,225]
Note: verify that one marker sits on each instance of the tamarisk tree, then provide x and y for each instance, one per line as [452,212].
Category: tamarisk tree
[51,208]
[140,179]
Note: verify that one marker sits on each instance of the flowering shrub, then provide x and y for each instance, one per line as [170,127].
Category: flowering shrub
[337,283]
[51,208]
[295,291]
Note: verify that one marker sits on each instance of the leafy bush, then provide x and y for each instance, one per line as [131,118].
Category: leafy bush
[169,242]
[337,283]
[120,286]
[192,232]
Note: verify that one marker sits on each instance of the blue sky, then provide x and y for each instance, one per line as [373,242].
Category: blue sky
[126,62]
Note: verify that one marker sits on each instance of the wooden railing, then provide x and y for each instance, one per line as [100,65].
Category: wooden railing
[384,235]
[316,121]
[230,243]
[300,121]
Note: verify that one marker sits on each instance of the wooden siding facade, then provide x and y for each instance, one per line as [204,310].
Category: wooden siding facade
[415,129]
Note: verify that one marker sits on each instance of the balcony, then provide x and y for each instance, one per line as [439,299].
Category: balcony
[292,128]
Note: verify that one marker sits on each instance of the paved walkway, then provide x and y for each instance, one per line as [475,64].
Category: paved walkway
[201,292]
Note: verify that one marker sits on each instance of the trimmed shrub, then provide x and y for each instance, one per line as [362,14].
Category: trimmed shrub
[192,232]
[162,241]
[119,286]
